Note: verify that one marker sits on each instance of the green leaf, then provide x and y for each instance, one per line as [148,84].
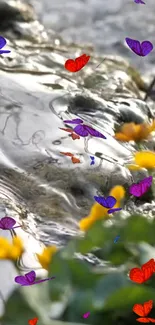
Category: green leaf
[117,254]
[138,229]
[106,286]
[127,297]
[17,310]
[81,274]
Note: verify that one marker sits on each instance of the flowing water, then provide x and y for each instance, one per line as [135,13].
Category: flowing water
[41,188]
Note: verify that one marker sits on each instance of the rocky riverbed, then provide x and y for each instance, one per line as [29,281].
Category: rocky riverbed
[39,187]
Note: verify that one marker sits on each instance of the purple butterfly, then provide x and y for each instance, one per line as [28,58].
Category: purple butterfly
[142,187]
[74,121]
[142,49]
[107,203]
[139,1]
[84,130]
[2,44]
[7,223]
[29,279]
[92,160]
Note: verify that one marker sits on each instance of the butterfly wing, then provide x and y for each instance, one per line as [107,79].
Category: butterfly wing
[67,130]
[33,321]
[145,184]
[7,222]
[143,320]
[101,200]
[136,275]
[94,132]
[81,61]
[134,45]
[74,136]
[21,280]
[111,201]
[81,130]
[70,65]
[135,189]
[74,121]
[148,268]
[2,42]
[152,320]
[146,47]
[139,310]
[39,281]
[30,276]
[75,160]
[114,210]
[147,307]
[68,154]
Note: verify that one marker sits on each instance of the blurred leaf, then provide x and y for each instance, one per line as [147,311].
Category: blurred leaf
[138,229]
[106,286]
[127,297]
[17,310]
[117,254]
[80,303]
[81,274]
[62,283]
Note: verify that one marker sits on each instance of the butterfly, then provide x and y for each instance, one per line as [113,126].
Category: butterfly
[116,239]
[29,279]
[142,187]
[2,44]
[33,321]
[74,121]
[92,160]
[7,223]
[142,49]
[139,1]
[108,203]
[141,275]
[86,315]
[77,64]
[73,135]
[85,130]
[144,310]
[74,159]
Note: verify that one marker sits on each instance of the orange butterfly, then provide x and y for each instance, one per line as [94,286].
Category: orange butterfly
[73,135]
[141,275]
[74,159]
[33,321]
[144,310]
[77,64]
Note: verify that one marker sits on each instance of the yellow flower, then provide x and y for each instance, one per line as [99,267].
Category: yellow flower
[99,212]
[11,251]
[145,159]
[46,256]
[135,132]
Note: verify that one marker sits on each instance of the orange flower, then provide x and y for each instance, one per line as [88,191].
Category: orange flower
[135,132]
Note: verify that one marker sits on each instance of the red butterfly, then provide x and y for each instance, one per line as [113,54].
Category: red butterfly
[33,321]
[73,135]
[144,310]
[77,64]
[141,275]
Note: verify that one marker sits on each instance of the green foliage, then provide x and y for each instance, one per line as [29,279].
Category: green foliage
[105,290]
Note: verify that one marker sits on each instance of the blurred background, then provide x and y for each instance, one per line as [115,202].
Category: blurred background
[104,24]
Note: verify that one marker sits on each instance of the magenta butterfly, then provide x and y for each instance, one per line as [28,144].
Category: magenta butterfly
[7,223]
[142,187]
[141,49]
[29,279]
[108,203]
[84,130]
